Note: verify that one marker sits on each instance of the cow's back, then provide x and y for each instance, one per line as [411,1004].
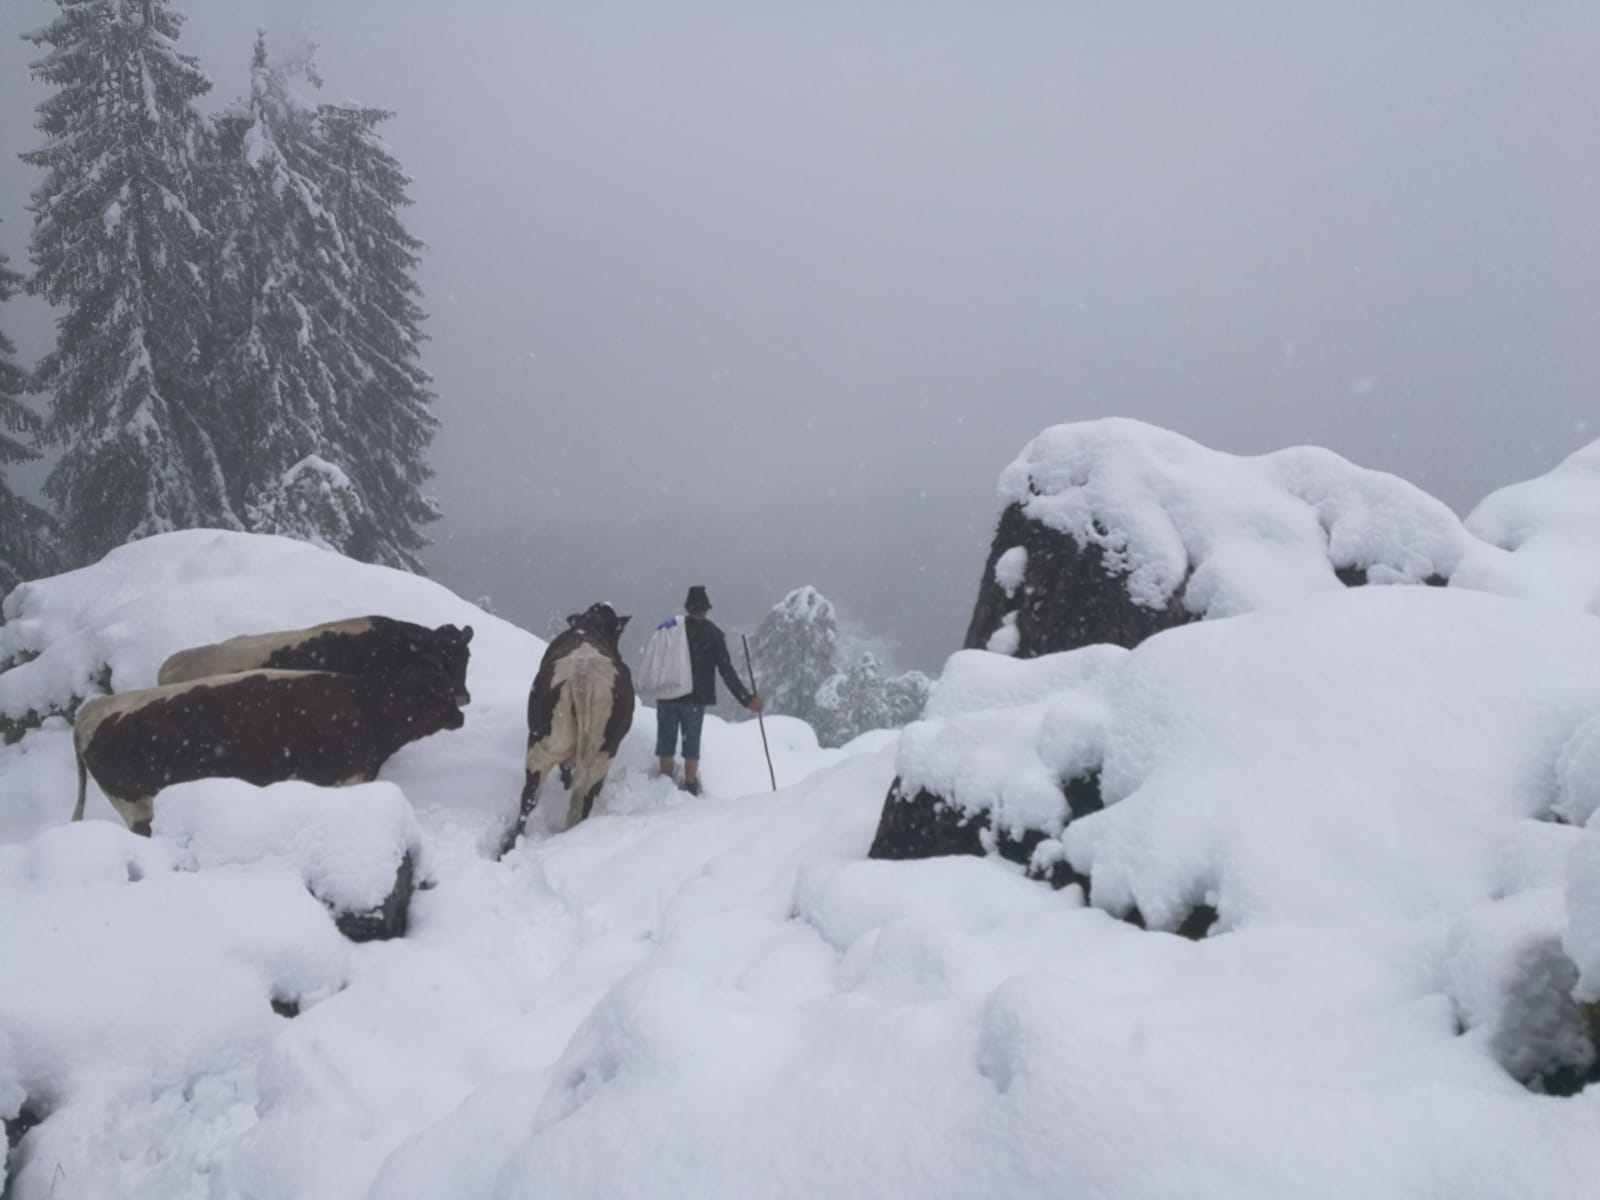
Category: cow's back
[317,648]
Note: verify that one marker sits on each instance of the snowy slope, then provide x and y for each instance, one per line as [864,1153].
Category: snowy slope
[723,997]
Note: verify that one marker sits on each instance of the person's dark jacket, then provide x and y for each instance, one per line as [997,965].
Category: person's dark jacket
[708,655]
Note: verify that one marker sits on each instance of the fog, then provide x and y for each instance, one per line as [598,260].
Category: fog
[756,295]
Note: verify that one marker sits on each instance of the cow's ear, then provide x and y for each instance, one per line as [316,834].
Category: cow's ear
[466,634]
[622,623]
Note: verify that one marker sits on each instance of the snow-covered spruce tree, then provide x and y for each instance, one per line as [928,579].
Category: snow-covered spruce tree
[794,649]
[390,417]
[313,501]
[862,697]
[27,549]
[319,326]
[119,247]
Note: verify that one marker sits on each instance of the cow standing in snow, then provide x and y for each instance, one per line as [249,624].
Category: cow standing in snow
[579,710]
[260,726]
[357,646]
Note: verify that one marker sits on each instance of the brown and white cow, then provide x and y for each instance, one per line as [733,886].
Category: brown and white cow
[260,726]
[579,710]
[358,646]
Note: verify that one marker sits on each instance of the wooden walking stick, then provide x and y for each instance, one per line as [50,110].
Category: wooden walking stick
[750,667]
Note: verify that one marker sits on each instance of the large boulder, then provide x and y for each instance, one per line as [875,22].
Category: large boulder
[1114,530]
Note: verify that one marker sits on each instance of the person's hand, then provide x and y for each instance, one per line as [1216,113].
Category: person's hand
[755,704]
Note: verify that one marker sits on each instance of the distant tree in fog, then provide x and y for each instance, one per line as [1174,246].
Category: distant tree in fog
[863,697]
[798,648]
[794,649]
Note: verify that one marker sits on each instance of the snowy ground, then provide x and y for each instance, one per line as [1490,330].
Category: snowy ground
[723,997]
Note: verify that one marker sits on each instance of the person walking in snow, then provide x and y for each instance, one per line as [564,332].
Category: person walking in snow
[708,656]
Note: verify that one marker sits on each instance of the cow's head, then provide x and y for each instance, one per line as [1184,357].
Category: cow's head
[445,650]
[432,701]
[602,622]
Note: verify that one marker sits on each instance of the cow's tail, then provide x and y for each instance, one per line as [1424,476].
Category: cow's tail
[584,685]
[83,778]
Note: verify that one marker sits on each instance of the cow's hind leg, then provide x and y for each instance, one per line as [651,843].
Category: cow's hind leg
[529,800]
[541,757]
[530,796]
[589,796]
[587,788]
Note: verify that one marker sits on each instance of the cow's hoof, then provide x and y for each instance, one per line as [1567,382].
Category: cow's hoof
[508,842]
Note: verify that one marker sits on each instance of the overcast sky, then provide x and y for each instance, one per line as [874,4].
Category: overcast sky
[758,294]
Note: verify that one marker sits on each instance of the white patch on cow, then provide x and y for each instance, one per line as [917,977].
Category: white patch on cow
[585,680]
[242,653]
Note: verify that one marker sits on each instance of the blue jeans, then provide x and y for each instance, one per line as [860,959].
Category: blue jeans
[673,715]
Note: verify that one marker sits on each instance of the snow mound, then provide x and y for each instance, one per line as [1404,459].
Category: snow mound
[145,600]
[1513,987]
[115,622]
[1578,775]
[347,844]
[1003,735]
[1547,532]
[1233,533]
[75,855]
[1397,735]
[1582,934]
[120,985]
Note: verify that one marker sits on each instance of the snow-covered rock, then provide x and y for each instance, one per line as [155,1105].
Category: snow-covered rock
[1513,987]
[1401,733]
[358,849]
[1113,530]
[1009,751]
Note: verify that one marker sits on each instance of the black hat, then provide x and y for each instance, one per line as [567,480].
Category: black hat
[697,600]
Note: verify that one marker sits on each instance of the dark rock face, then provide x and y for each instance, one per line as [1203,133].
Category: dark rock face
[16,1129]
[1068,598]
[387,920]
[1357,577]
[924,825]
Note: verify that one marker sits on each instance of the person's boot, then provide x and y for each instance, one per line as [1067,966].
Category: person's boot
[692,786]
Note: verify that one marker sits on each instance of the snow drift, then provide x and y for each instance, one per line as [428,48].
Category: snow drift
[1384,796]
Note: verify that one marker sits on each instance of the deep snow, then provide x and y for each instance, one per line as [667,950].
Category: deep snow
[723,997]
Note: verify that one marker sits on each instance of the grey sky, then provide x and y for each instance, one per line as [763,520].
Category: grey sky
[758,294]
